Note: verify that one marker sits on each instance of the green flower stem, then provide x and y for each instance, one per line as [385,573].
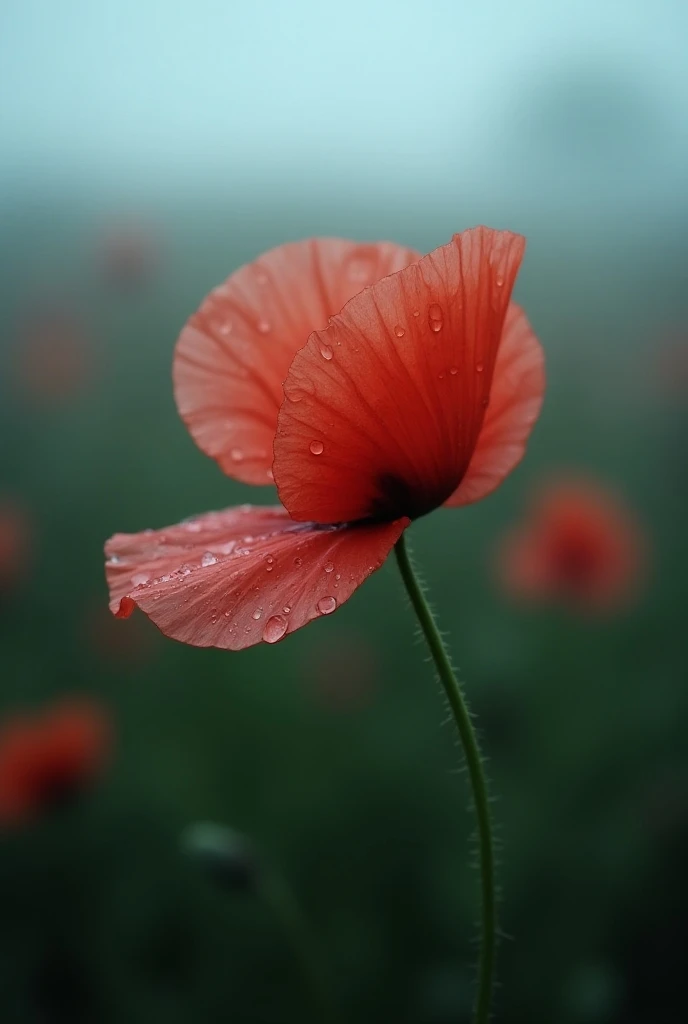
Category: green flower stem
[275,892]
[476,774]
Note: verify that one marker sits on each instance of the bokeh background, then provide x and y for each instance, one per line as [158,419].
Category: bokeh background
[149,148]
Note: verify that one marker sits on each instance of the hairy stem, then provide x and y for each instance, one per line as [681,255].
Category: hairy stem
[469,741]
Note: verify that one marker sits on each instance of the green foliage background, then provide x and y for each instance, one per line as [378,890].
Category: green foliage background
[329,749]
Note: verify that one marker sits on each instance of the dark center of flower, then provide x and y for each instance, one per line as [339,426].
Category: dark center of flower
[397,497]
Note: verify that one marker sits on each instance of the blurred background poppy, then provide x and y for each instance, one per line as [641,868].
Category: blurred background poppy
[147,151]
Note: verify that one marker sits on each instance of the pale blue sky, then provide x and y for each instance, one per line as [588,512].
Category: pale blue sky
[380,90]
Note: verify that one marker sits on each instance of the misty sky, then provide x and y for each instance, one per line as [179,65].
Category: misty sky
[387,89]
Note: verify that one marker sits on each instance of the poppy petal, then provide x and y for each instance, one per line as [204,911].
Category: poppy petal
[518,388]
[233,354]
[383,409]
[231,579]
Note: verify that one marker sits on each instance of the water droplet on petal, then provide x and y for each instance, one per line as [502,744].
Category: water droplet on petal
[326,605]
[453,370]
[114,560]
[317,447]
[275,628]
[499,282]
[257,613]
[263,327]
[338,576]
[480,367]
[208,559]
[269,559]
[441,376]
[286,609]
[192,526]
[399,331]
[329,567]
[435,317]
[298,561]
[236,454]
[139,579]
[416,312]
[326,352]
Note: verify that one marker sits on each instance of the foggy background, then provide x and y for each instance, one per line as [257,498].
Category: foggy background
[148,149]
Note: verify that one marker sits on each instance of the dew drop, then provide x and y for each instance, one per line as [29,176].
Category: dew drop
[416,312]
[326,605]
[435,317]
[317,447]
[156,597]
[275,628]
[326,352]
[286,609]
[453,370]
[399,331]
[185,570]
[114,560]
[192,527]
[499,282]
[228,614]
[257,613]
[139,579]
[479,368]
[329,567]
[208,559]
[236,455]
[298,561]
[338,576]
[226,549]
[269,559]
[441,376]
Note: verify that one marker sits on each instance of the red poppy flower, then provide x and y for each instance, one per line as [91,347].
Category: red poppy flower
[54,355]
[421,392]
[128,255]
[341,672]
[579,545]
[46,758]
[14,543]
